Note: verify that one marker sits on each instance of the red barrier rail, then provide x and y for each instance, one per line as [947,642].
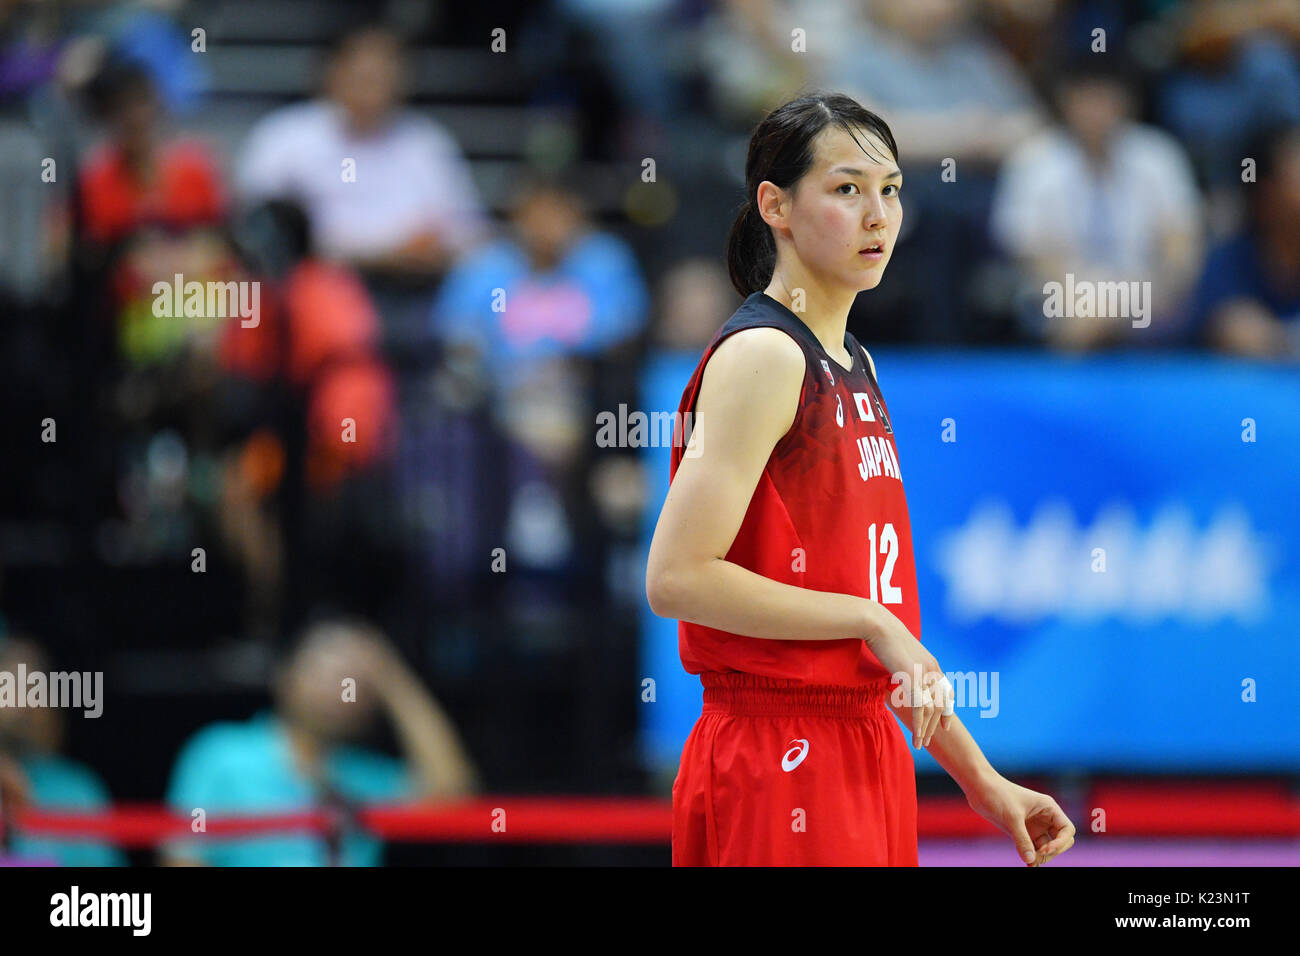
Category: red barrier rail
[1143,810]
[1247,809]
[508,819]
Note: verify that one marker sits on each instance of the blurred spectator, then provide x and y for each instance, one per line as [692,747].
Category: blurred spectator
[1248,299]
[30,47]
[303,755]
[34,217]
[1032,34]
[38,777]
[319,344]
[1104,198]
[322,335]
[150,207]
[556,286]
[695,297]
[1238,73]
[641,74]
[139,177]
[153,209]
[945,86]
[522,319]
[957,104]
[40,42]
[747,51]
[144,32]
[385,187]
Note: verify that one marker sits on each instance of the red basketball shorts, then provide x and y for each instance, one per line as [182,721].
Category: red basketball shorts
[775,774]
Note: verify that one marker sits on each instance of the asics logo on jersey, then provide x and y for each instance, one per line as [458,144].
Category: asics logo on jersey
[839,412]
[787,762]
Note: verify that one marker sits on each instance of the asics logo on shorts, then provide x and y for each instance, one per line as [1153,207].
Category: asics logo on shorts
[788,763]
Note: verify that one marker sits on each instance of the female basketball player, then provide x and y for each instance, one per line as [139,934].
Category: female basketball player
[784,546]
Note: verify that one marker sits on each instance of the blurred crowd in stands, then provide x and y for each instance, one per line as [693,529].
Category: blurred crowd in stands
[448,293]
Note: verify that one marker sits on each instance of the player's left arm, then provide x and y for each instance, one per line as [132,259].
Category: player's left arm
[1034,821]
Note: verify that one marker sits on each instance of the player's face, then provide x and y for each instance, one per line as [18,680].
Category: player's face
[846,202]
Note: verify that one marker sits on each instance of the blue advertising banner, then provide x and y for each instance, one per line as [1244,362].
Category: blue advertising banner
[1108,554]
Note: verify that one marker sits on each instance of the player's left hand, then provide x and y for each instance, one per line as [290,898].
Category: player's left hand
[1034,821]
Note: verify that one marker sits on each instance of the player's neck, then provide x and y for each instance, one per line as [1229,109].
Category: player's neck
[825,312]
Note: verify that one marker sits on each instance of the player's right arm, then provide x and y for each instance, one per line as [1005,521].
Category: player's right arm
[748,399]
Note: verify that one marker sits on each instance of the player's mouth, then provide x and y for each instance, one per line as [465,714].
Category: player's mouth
[873,252]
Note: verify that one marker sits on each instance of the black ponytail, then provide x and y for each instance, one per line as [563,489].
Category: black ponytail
[751,251]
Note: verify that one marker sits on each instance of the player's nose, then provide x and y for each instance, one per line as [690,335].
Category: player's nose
[875,217]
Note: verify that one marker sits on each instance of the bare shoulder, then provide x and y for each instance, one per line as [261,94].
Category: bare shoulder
[752,384]
[764,351]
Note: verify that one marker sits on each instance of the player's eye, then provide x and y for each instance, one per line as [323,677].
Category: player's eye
[896,188]
[842,185]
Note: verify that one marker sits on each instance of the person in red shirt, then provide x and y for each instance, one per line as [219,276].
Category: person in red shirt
[149,206]
[784,546]
[323,335]
[137,177]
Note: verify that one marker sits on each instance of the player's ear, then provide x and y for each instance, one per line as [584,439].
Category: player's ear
[772,203]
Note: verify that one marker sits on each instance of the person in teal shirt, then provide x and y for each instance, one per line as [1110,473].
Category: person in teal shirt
[57,783]
[29,742]
[301,756]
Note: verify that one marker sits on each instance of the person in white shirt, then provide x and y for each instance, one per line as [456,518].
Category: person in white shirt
[1105,199]
[386,188]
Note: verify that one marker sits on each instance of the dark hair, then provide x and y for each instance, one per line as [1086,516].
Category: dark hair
[781,151]
[118,83]
[344,43]
[1115,68]
[568,182]
[272,236]
[1267,144]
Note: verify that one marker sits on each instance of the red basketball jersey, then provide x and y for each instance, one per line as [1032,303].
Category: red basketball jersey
[828,512]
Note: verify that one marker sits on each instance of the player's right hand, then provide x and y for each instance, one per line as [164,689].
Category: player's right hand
[919,683]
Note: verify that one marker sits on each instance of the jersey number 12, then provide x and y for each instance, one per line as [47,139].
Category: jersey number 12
[886,593]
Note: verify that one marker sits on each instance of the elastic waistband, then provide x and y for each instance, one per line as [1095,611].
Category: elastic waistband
[749,695]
